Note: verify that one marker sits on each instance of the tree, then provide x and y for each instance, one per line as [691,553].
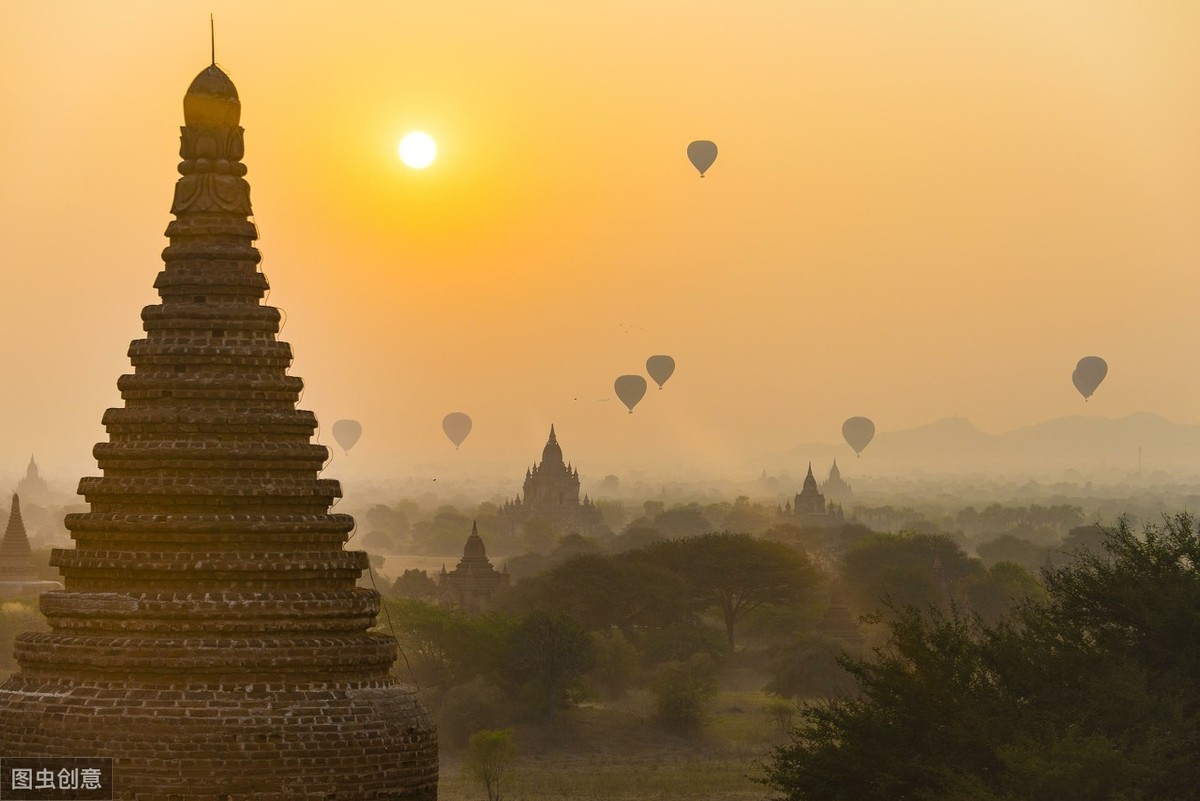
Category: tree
[615,661]
[490,754]
[547,654]
[602,591]
[445,646]
[1087,694]
[736,573]
[683,690]
[415,584]
[907,568]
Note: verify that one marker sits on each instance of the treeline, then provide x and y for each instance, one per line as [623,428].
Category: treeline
[671,615]
[1086,692]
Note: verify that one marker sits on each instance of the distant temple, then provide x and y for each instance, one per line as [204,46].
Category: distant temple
[809,506]
[471,584]
[33,487]
[17,572]
[835,489]
[551,493]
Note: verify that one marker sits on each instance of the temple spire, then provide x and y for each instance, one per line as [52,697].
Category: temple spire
[16,557]
[210,559]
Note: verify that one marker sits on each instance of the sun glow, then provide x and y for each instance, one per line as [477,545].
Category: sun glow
[418,150]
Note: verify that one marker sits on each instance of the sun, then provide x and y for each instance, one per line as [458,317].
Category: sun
[418,150]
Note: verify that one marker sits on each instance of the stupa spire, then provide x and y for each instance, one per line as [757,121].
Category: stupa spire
[209,561]
[16,557]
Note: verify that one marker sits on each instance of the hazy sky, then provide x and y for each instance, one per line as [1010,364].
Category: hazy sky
[919,209]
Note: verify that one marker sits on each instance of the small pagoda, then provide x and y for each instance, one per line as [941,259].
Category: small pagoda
[210,637]
[473,581]
[18,574]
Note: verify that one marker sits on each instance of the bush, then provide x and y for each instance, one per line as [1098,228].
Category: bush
[467,707]
[490,755]
[683,691]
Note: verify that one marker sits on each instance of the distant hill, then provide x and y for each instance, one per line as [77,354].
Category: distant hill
[1075,442]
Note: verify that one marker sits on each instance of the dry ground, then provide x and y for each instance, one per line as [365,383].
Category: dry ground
[611,751]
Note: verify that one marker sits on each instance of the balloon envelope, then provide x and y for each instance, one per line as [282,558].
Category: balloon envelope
[630,389]
[347,432]
[456,425]
[660,369]
[702,154]
[1089,372]
[858,431]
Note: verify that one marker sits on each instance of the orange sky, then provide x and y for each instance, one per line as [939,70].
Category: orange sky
[919,209]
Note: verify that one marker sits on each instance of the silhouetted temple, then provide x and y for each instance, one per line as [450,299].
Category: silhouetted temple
[18,573]
[473,581]
[835,489]
[551,493]
[16,557]
[33,487]
[809,508]
[210,637]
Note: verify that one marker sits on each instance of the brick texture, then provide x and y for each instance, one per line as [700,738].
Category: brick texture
[210,637]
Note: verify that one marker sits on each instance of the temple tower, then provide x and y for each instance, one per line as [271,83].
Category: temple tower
[210,636]
[472,583]
[16,557]
[33,486]
[551,493]
[809,501]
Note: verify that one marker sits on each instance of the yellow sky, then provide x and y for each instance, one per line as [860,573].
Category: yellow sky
[919,209]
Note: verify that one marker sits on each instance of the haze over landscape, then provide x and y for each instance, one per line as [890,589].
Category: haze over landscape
[918,212]
[906,508]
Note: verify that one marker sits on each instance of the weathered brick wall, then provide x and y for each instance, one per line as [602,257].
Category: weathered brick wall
[273,741]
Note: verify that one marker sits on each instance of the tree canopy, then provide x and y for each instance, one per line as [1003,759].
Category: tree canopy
[737,573]
[1087,693]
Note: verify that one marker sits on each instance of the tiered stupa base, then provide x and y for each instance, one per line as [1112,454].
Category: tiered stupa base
[268,742]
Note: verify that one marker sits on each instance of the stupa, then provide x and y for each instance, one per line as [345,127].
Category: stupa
[210,637]
[18,574]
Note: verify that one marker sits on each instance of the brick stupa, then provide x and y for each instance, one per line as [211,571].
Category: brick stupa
[210,636]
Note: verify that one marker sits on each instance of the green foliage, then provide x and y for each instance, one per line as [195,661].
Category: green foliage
[737,573]
[468,706]
[680,642]
[444,534]
[781,713]
[1089,693]
[1081,538]
[1010,548]
[994,594]
[682,691]
[601,592]
[447,647]
[910,569]
[415,584]
[683,521]
[809,667]
[615,662]
[490,755]
[548,653]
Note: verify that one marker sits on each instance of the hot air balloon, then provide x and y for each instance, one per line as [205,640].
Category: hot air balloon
[858,431]
[630,389]
[702,154]
[1089,372]
[660,369]
[456,425]
[347,432]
